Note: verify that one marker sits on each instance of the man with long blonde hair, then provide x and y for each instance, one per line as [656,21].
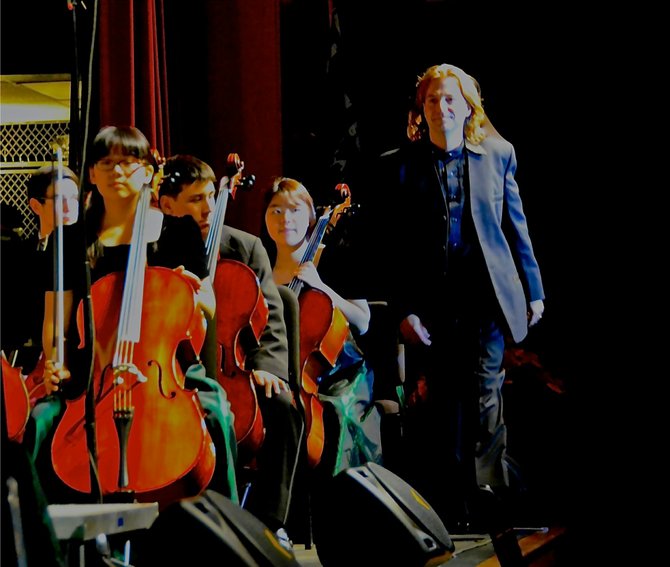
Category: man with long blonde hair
[464,279]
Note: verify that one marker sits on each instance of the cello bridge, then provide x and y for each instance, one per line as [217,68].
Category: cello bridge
[129,368]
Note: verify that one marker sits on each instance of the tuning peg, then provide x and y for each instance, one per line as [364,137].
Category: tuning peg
[247,182]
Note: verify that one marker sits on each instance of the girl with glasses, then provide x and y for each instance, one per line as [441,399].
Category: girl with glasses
[121,166]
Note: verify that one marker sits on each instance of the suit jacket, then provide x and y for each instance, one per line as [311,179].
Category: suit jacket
[272,353]
[420,220]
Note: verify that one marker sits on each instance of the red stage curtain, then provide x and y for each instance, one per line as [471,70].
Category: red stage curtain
[242,83]
[133,78]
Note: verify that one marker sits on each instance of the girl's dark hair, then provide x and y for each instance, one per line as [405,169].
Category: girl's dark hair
[129,141]
[41,178]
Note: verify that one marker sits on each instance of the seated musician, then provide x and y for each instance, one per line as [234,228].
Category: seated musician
[34,259]
[188,190]
[41,192]
[352,421]
[121,166]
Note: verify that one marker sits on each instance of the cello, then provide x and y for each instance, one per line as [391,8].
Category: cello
[16,402]
[323,332]
[241,315]
[34,382]
[152,441]
[243,318]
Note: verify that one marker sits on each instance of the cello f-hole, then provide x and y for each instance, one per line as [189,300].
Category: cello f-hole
[168,395]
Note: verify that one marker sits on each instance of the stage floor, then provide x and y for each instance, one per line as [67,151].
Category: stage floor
[539,549]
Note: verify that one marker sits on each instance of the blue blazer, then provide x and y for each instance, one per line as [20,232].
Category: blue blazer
[420,220]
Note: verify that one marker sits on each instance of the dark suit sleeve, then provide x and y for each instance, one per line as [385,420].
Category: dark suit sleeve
[400,226]
[272,354]
[180,244]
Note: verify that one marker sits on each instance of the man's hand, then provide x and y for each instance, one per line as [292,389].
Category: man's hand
[270,382]
[195,281]
[536,310]
[54,373]
[413,331]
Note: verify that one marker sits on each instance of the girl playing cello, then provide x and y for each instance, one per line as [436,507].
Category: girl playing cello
[148,382]
[352,434]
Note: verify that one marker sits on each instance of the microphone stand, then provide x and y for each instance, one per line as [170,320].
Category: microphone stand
[74,158]
[75,161]
[89,341]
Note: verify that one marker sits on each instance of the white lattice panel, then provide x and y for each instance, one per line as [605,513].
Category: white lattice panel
[30,143]
[24,147]
[13,192]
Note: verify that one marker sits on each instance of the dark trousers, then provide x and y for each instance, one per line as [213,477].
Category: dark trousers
[276,462]
[456,436]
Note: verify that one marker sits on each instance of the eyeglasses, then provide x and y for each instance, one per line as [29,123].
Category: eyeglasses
[65,198]
[128,165]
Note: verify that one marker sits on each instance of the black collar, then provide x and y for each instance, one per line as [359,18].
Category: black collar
[447,156]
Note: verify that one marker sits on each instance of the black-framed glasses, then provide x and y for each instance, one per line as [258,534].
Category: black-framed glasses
[65,198]
[128,165]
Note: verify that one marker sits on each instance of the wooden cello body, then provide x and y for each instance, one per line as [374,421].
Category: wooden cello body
[35,382]
[241,315]
[21,394]
[323,332]
[169,453]
[16,403]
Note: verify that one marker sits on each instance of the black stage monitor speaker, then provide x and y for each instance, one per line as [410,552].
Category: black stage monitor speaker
[212,530]
[370,516]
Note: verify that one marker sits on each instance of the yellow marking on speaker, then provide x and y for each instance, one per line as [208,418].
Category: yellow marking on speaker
[420,500]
